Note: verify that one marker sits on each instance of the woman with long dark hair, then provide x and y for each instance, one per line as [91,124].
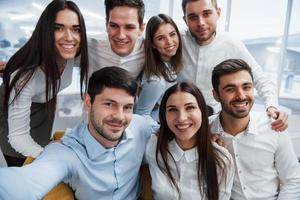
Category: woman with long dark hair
[162,63]
[35,74]
[184,163]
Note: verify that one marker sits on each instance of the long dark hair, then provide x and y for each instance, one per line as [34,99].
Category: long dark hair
[39,51]
[153,63]
[208,158]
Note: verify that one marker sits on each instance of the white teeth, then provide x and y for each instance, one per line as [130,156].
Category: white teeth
[182,126]
[240,104]
[170,48]
[68,46]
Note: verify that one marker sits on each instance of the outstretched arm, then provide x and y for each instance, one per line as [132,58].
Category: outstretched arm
[35,180]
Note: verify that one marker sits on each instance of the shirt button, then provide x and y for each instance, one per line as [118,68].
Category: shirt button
[240,171]
[236,155]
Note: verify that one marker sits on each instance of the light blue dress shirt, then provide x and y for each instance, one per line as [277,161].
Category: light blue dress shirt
[152,91]
[92,171]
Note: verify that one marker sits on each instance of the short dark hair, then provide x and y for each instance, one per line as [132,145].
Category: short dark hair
[153,62]
[184,2]
[111,77]
[228,66]
[138,4]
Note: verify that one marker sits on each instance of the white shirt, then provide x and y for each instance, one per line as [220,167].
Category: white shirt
[265,162]
[187,180]
[101,55]
[199,61]
[19,111]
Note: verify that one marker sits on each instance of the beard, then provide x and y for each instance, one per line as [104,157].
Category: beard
[102,133]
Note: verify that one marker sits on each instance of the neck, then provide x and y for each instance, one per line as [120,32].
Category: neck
[233,125]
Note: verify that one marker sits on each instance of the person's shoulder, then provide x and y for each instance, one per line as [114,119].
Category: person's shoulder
[226,38]
[98,40]
[259,118]
[151,148]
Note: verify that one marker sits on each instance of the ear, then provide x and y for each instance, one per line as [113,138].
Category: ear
[87,102]
[184,19]
[219,12]
[142,28]
[216,95]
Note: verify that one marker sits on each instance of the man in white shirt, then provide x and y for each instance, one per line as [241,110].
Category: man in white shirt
[123,45]
[265,162]
[204,48]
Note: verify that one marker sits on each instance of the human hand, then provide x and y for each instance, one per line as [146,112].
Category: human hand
[217,139]
[2,67]
[280,122]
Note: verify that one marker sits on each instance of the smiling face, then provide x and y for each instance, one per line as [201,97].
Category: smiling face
[109,115]
[235,93]
[166,41]
[123,29]
[184,118]
[67,34]
[201,18]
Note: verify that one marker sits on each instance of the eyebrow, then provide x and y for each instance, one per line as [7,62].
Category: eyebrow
[114,23]
[62,25]
[233,85]
[114,101]
[187,104]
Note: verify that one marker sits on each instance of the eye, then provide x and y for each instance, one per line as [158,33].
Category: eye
[172,34]
[229,89]
[130,27]
[248,87]
[128,108]
[159,38]
[58,28]
[193,17]
[113,26]
[76,30]
[190,107]
[108,104]
[171,109]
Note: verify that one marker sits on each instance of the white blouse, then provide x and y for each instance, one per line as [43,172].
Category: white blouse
[187,181]
[19,111]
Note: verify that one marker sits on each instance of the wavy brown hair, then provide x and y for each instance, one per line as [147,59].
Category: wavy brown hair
[209,158]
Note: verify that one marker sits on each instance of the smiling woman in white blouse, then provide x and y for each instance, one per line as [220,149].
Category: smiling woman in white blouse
[183,161]
[35,74]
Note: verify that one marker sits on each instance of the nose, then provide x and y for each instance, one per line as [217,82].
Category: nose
[240,94]
[201,21]
[68,35]
[182,116]
[118,114]
[168,40]
[122,34]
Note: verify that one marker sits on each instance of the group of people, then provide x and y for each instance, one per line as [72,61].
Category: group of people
[172,81]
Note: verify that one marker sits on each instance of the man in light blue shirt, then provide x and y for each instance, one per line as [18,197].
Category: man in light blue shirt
[100,159]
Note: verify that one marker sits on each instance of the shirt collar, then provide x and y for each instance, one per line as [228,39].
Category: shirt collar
[177,153]
[216,126]
[95,149]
